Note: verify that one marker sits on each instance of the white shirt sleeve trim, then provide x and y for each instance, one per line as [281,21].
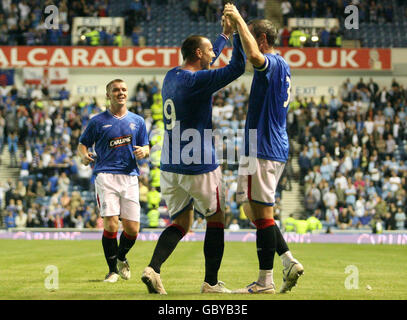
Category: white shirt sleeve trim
[266,64]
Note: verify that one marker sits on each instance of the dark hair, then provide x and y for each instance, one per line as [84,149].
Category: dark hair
[111,82]
[189,46]
[264,26]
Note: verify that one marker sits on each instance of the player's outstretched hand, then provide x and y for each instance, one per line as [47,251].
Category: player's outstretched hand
[231,12]
[228,26]
[140,152]
[87,158]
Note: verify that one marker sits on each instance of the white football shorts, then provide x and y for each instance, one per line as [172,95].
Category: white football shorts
[258,183]
[205,190]
[118,195]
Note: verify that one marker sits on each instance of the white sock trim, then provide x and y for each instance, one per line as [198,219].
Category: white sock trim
[265,278]
[286,258]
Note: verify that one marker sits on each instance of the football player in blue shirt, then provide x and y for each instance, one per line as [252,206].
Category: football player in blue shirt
[268,104]
[191,178]
[120,139]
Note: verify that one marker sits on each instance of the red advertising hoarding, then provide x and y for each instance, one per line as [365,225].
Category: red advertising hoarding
[163,57]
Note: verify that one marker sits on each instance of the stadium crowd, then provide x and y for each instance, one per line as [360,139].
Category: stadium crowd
[41,134]
[212,10]
[352,160]
[369,10]
[24,22]
[353,155]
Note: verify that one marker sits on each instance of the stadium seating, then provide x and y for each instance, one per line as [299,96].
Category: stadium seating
[170,25]
[389,30]
[167,25]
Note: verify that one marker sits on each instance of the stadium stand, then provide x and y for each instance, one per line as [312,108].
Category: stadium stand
[353,155]
[171,23]
[381,24]
[166,23]
[53,189]
[39,136]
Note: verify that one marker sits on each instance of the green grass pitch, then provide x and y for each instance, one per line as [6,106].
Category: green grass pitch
[81,269]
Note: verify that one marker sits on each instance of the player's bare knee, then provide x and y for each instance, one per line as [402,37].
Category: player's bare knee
[184,224]
[111,224]
[111,227]
[132,228]
[132,232]
[185,219]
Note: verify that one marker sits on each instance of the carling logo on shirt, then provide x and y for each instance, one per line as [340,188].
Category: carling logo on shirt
[120,141]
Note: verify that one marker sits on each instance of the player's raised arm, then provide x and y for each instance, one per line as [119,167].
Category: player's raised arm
[198,54]
[210,81]
[223,38]
[249,43]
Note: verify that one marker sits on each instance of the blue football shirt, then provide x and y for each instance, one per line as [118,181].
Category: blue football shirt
[267,112]
[114,138]
[188,147]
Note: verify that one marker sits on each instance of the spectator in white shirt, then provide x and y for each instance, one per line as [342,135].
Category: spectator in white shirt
[261,7]
[286,10]
[330,198]
[395,181]
[400,218]
[340,181]
[234,226]
[331,216]
[36,93]
[4,90]
[21,219]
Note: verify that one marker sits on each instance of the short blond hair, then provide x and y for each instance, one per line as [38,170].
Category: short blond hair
[111,82]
